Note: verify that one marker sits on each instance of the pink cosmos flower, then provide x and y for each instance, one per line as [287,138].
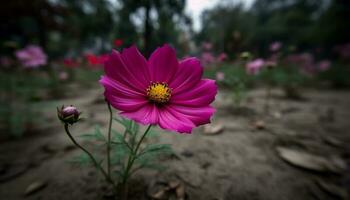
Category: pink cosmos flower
[275,46]
[63,76]
[207,46]
[254,66]
[220,76]
[207,58]
[222,57]
[31,56]
[324,65]
[160,91]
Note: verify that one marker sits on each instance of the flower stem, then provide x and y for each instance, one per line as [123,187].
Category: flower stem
[131,160]
[97,165]
[109,140]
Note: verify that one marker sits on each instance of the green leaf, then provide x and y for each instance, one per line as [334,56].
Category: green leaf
[83,160]
[152,151]
[96,135]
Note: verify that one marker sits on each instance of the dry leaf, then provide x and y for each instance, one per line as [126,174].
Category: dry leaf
[310,161]
[34,187]
[213,129]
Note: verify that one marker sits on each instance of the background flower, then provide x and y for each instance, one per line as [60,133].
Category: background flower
[254,66]
[31,56]
[275,46]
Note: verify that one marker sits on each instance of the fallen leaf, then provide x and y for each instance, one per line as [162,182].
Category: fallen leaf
[34,187]
[180,192]
[174,184]
[310,161]
[213,129]
[260,125]
[161,194]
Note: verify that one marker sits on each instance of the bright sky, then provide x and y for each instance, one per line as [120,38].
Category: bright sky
[195,7]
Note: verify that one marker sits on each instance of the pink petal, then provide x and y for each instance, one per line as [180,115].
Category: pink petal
[117,69]
[147,114]
[163,64]
[137,64]
[121,96]
[174,121]
[200,95]
[198,115]
[188,74]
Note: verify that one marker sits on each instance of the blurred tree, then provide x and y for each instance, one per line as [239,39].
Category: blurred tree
[306,24]
[160,21]
[229,28]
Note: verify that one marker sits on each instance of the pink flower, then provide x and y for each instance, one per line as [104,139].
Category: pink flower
[207,58]
[160,91]
[222,57]
[305,61]
[63,76]
[207,46]
[220,76]
[31,56]
[324,65]
[254,66]
[275,46]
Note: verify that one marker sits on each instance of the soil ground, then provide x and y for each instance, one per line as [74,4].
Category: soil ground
[239,163]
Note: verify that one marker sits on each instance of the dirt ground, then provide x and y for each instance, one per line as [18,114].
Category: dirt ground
[242,162]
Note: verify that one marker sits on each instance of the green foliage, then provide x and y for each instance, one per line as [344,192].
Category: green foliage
[96,135]
[21,105]
[338,75]
[124,148]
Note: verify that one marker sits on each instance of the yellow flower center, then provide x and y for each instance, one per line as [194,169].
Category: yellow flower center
[159,92]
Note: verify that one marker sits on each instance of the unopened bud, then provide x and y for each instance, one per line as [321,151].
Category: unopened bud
[246,55]
[68,114]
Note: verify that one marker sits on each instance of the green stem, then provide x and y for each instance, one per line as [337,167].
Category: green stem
[97,165]
[132,159]
[109,140]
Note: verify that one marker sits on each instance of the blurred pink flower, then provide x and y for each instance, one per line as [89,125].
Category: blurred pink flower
[220,76]
[305,61]
[159,91]
[207,46]
[275,46]
[253,67]
[324,65]
[31,56]
[63,76]
[207,58]
[222,57]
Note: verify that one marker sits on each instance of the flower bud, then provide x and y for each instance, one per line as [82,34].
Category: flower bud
[68,114]
[246,55]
